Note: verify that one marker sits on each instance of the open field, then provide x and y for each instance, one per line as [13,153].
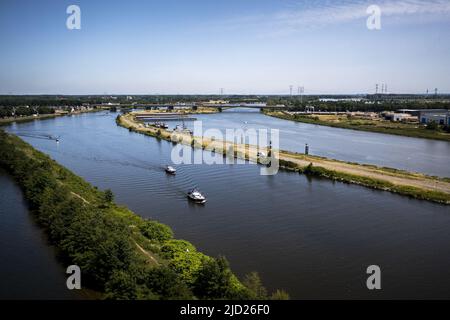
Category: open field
[379,126]
[407,183]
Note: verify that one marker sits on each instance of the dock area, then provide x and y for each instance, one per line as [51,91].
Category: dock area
[163,117]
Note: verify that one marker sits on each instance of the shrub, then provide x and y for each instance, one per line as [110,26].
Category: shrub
[214,280]
[156,231]
[167,284]
[108,196]
[253,282]
[279,295]
[432,126]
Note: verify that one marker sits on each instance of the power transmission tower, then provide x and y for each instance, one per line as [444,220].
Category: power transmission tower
[290,90]
[300,91]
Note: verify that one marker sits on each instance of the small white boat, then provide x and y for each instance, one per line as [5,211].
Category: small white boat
[171,170]
[196,196]
[164,126]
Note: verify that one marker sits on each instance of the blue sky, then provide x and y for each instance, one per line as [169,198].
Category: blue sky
[243,46]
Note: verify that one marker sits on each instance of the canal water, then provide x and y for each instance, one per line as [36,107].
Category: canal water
[311,237]
[28,268]
[420,155]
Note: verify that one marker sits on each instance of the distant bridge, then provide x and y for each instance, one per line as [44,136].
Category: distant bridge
[196,105]
[241,105]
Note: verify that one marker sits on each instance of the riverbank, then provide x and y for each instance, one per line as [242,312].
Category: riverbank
[414,185]
[386,127]
[6,121]
[120,254]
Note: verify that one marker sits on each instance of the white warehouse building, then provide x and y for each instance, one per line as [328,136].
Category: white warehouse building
[439,116]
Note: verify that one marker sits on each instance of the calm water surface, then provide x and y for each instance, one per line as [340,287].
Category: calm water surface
[420,155]
[313,238]
[28,266]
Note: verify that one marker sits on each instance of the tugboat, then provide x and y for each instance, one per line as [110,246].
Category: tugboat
[171,170]
[261,154]
[196,196]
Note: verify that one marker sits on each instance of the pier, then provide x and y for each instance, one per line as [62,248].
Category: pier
[164,117]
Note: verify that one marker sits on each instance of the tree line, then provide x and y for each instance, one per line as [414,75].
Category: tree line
[10,111]
[297,104]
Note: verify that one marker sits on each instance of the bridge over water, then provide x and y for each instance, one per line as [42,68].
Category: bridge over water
[212,105]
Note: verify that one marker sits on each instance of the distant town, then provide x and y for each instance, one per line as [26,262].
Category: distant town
[387,113]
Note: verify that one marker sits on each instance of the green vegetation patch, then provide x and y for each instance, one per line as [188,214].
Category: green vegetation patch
[413,192]
[408,130]
[120,254]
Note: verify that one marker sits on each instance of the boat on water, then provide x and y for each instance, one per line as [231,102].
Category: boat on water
[196,196]
[171,170]
[261,154]
[162,125]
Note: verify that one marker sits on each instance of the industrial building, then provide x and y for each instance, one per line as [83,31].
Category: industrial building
[439,116]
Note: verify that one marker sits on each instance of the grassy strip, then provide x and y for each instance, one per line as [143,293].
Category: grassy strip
[366,126]
[409,191]
[8,121]
[120,254]
[387,171]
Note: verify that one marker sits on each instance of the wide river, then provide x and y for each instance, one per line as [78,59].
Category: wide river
[421,155]
[312,237]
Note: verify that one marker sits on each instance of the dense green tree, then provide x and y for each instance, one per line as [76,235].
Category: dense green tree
[167,284]
[121,286]
[279,295]
[253,282]
[154,230]
[214,280]
[109,196]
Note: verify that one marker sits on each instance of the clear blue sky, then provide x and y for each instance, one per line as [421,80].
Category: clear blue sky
[244,46]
